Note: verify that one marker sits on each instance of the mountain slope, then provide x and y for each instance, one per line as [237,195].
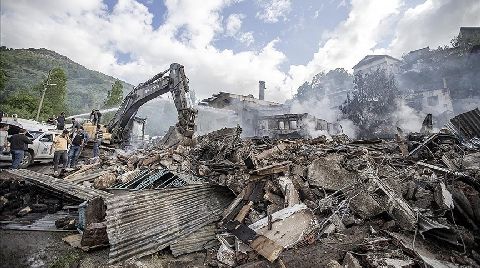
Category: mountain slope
[25,68]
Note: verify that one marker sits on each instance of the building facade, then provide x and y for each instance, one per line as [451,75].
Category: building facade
[373,63]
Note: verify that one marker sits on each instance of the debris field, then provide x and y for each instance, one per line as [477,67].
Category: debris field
[260,202]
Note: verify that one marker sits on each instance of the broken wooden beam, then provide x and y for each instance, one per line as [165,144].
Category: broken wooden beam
[261,244]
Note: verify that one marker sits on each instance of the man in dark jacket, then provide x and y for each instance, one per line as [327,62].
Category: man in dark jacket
[95,116]
[61,121]
[18,145]
[75,124]
[78,140]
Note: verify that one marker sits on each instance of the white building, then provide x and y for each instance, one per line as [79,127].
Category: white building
[372,63]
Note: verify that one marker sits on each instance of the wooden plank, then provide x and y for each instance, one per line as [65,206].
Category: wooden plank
[261,244]
[282,167]
[244,211]
[266,247]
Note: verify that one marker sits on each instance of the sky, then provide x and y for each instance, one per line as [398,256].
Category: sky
[229,45]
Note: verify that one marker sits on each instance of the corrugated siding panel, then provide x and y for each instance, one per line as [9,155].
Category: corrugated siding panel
[196,241]
[59,186]
[468,124]
[144,222]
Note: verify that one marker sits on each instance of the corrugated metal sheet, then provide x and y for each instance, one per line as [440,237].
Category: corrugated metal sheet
[467,125]
[143,222]
[59,186]
[156,179]
[39,222]
[196,241]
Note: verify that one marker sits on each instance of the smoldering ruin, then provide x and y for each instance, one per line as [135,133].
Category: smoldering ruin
[376,169]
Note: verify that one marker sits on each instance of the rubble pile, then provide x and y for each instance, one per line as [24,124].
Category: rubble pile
[18,200]
[399,203]
[328,201]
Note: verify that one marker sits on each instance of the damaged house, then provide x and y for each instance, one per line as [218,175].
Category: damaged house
[436,102]
[247,108]
[259,117]
[294,126]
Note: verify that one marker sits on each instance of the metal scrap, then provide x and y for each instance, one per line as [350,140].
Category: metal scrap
[143,222]
[60,186]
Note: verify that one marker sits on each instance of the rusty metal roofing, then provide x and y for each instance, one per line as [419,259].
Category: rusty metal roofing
[59,186]
[467,125]
[140,223]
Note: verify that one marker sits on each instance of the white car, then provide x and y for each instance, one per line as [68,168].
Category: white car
[38,151]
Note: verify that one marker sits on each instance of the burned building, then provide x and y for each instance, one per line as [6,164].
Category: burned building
[247,108]
[294,126]
[259,117]
[437,102]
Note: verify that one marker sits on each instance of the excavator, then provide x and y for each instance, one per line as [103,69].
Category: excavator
[173,80]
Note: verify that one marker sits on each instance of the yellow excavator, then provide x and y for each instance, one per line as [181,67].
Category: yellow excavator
[174,80]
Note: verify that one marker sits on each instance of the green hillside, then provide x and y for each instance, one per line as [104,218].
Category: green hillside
[25,69]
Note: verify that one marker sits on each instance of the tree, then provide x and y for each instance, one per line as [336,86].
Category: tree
[334,81]
[3,77]
[21,103]
[371,105]
[56,90]
[464,44]
[114,95]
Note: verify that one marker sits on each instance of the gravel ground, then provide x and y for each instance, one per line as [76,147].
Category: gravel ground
[44,249]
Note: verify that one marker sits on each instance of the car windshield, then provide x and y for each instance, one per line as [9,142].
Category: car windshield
[34,134]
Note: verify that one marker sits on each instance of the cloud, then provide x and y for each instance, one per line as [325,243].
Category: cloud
[87,33]
[246,38]
[351,40]
[233,26]
[273,10]
[433,23]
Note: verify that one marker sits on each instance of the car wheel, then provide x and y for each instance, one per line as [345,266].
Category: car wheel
[27,160]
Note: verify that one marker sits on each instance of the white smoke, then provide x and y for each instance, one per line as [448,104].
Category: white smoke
[322,109]
[407,118]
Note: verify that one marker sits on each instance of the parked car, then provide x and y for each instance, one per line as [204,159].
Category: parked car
[38,151]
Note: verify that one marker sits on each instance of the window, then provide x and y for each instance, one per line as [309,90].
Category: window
[47,138]
[272,124]
[281,125]
[293,124]
[432,101]
[34,134]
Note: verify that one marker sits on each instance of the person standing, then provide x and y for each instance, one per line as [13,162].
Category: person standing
[3,137]
[78,139]
[60,144]
[95,116]
[18,145]
[75,124]
[61,121]
[99,116]
[97,141]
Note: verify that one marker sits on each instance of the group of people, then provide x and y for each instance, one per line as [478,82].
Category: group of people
[67,147]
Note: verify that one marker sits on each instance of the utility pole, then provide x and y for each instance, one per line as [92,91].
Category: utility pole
[47,83]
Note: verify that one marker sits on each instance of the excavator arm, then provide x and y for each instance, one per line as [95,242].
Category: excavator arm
[172,80]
